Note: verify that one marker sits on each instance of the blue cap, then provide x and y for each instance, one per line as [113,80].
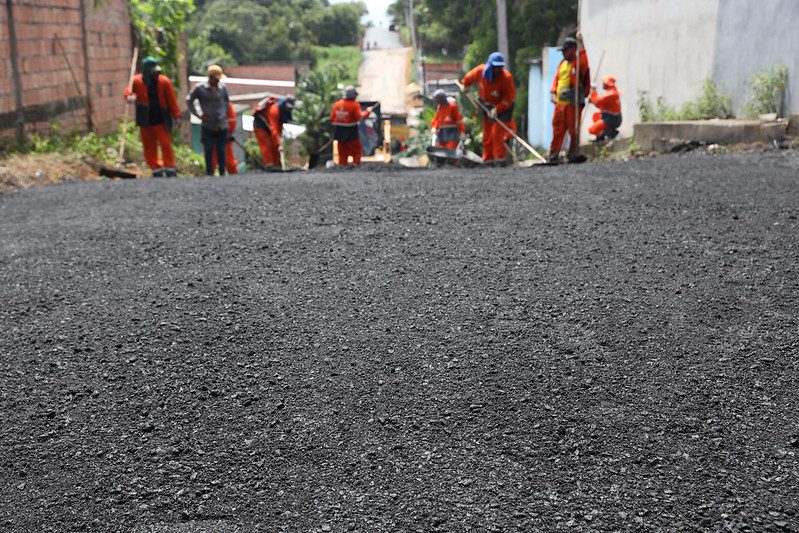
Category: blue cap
[494,60]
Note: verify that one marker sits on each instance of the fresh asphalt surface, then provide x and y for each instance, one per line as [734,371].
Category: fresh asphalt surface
[593,348]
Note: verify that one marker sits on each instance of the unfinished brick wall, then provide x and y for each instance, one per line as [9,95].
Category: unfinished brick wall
[49,93]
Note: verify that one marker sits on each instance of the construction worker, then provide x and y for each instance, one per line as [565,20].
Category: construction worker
[345,117]
[498,94]
[564,85]
[607,121]
[231,164]
[156,113]
[447,124]
[269,116]
[214,103]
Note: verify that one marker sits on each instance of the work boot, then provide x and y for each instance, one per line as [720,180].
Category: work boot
[159,172]
[170,172]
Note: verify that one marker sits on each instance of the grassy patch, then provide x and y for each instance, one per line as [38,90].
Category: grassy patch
[59,157]
[710,103]
[347,57]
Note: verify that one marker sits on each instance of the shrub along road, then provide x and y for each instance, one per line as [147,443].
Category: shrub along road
[600,347]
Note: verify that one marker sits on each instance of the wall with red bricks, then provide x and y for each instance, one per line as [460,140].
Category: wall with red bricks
[45,75]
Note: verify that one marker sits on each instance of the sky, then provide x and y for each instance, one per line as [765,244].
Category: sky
[377,10]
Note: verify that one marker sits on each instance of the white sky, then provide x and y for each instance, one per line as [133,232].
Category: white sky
[377,10]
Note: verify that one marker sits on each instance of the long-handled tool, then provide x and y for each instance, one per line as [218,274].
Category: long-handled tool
[121,154]
[596,78]
[118,172]
[475,102]
[313,158]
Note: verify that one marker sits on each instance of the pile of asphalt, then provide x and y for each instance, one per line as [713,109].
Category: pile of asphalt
[596,348]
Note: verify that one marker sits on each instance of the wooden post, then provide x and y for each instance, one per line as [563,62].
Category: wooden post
[12,40]
[84,40]
[577,85]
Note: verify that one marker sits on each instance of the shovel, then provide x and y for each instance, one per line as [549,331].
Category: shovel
[116,172]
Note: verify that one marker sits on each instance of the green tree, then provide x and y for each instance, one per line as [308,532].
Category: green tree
[253,31]
[157,26]
[454,24]
[339,24]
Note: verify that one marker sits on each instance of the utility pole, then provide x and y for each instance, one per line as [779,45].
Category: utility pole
[417,53]
[502,29]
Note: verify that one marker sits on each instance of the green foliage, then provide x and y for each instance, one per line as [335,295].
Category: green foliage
[157,25]
[346,58]
[455,24]
[317,92]
[710,103]
[103,149]
[339,24]
[253,31]
[768,87]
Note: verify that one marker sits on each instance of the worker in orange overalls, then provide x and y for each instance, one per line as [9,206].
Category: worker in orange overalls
[345,117]
[447,124]
[269,116]
[497,91]
[564,85]
[608,120]
[231,164]
[157,112]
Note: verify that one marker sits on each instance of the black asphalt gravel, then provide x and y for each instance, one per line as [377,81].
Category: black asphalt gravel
[609,347]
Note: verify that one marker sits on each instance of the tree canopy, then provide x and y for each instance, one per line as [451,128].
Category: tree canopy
[470,25]
[232,32]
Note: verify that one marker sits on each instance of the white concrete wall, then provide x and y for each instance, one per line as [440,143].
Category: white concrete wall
[664,47]
[752,36]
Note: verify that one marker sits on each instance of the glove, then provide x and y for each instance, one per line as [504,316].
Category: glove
[492,113]
[131,98]
[433,131]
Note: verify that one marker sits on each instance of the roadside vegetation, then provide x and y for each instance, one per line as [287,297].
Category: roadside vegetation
[58,156]
[768,88]
[710,103]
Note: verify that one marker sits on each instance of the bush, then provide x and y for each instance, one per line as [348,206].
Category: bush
[768,87]
[709,104]
[102,150]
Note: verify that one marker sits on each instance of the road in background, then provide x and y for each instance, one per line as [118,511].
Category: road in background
[383,75]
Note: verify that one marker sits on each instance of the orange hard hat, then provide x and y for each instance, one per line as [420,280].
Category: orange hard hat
[609,80]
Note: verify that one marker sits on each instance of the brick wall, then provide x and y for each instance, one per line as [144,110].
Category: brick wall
[49,94]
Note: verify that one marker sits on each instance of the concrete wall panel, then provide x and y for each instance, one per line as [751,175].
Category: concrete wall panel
[664,47]
[752,36]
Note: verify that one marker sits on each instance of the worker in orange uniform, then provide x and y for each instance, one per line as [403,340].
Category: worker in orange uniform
[498,94]
[608,120]
[156,113]
[447,124]
[345,117]
[269,117]
[230,158]
[564,85]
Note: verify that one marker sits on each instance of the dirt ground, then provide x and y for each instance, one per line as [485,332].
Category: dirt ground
[604,347]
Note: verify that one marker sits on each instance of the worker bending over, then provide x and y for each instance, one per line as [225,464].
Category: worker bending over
[230,158]
[608,120]
[498,94]
[156,113]
[345,117]
[564,85]
[269,117]
[447,124]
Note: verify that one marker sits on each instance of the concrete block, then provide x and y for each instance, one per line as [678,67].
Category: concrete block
[793,125]
[660,136]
